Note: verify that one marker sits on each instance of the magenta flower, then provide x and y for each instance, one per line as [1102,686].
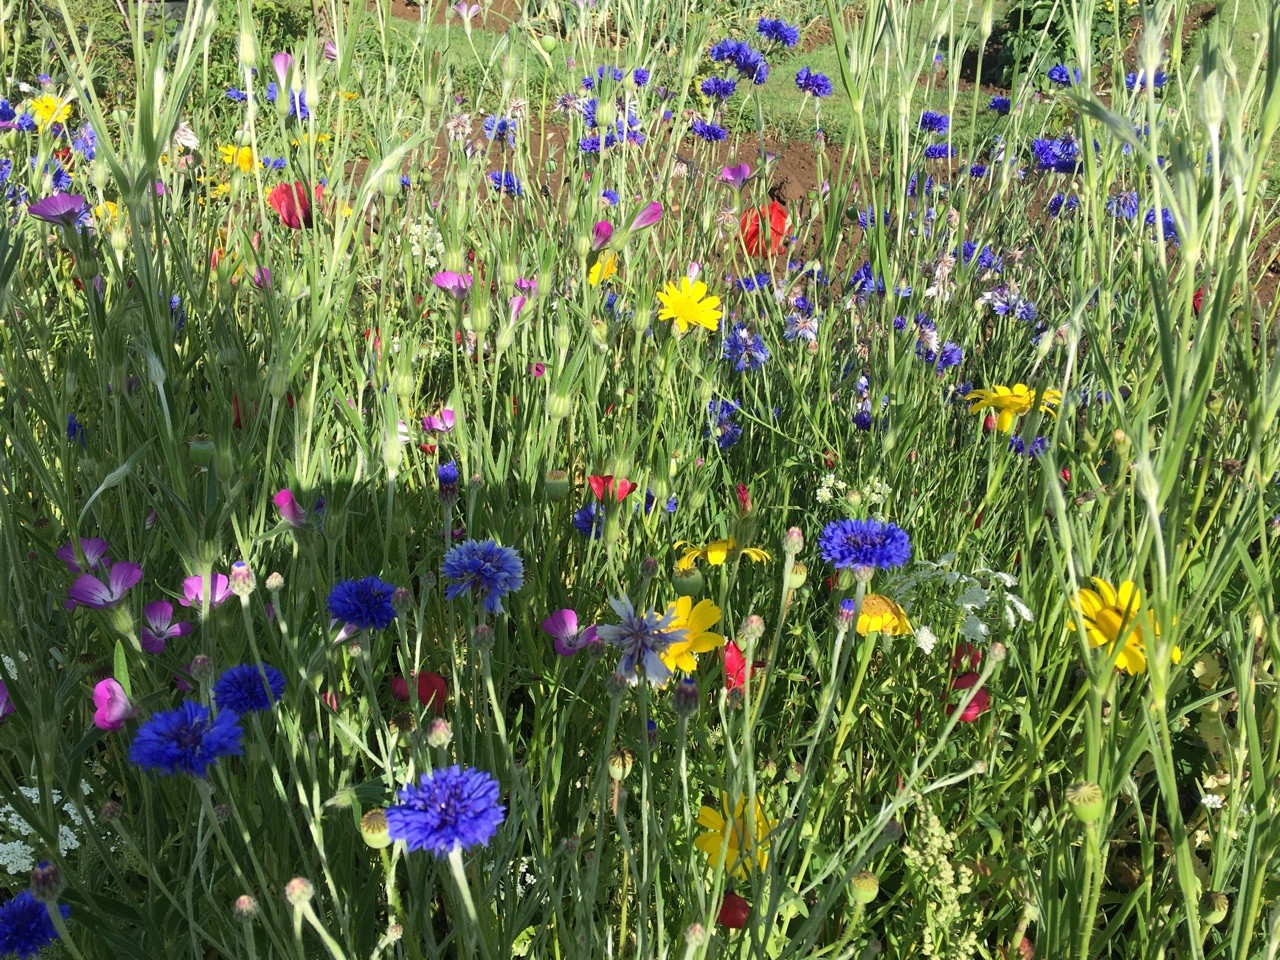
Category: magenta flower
[439,424]
[193,591]
[282,61]
[565,635]
[262,278]
[538,369]
[95,554]
[466,11]
[736,176]
[62,210]
[6,705]
[457,285]
[528,287]
[517,304]
[648,216]
[601,234]
[89,591]
[159,628]
[111,707]
[330,50]
[290,510]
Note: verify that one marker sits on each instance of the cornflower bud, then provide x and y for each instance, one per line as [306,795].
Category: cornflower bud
[299,891]
[46,882]
[242,580]
[275,582]
[792,542]
[439,733]
[685,698]
[752,630]
[245,907]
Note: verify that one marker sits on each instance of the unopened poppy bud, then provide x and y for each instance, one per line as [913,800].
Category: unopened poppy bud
[687,583]
[797,575]
[1214,906]
[245,907]
[734,912]
[752,630]
[988,423]
[241,579]
[620,762]
[792,541]
[299,891]
[556,484]
[46,882]
[1086,801]
[200,448]
[865,887]
[439,733]
[373,829]
[685,697]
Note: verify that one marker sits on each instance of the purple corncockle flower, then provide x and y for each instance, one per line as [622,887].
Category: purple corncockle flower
[290,510]
[159,627]
[330,50]
[6,705]
[282,61]
[517,304]
[457,285]
[63,209]
[441,423]
[736,176]
[95,554]
[89,591]
[565,635]
[466,11]
[193,591]
[600,235]
[647,217]
[528,287]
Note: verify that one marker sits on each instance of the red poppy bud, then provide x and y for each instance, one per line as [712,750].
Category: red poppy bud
[1065,474]
[829,458]
[744,497]
[980,703]
[1197,300]
[734,912]
[988,423]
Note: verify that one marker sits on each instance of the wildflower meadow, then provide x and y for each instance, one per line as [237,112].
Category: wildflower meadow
[638,480]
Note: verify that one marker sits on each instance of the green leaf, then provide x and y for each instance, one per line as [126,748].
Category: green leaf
[121,669]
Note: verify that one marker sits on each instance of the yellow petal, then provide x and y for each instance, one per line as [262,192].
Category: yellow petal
[711,819]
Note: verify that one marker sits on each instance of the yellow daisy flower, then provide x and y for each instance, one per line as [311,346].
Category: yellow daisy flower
[48,109]
[1012,402]
[881,615]
[604,269]
[241,157]
[696,622]
[1114,616]
[688,305]
[716,553]
[737,840]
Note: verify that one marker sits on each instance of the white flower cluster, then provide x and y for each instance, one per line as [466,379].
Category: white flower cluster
[425,243]
[17,854]
[829,487]
[951,931]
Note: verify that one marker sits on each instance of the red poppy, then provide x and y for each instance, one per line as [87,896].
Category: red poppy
[966,657]
[734,912]
[432,690]
[980,703]
[605,487]
[1197,300]
[750,225]
[290,200]
[736,669]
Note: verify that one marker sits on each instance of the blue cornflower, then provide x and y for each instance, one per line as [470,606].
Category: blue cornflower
[726,49]
[610,197]
[864,544]
[864,282]
[931,122]
[1063,77]
[298,105]
[187,740]
[6,170]
[1019,446]
[1167,223]
[719,88]
[913,182]
[746,350]
[500,128]
[978,171]
[455,808]
[778,31]
[1061,156]
[484,567]
[589,144]
[862,419]
[801,327]
[642,638]
[1058,202]
[589,520]
[640,75]
[25,926]
[988,259]
[364,604]
[813,83]
[26,123]
[506,182]
[447,475]
[753,282]
[999,105]
[246,687]
[710,132]
[950,355]
[938,151]
[272,92]
[75,430]
[405,182]
[803,304]
[1139,80]
[273,163]
[723,428]
[236,95]
[85,143]
[1123,206]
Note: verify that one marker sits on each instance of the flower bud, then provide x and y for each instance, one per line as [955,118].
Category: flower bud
[797,575]
[865,887]
[245,907]
[734,912]
[685,697]
[648,568]
[1085,800]
[695,935]
[620,763]
[200,668]
[299,891]
[241,579]
[482,638]
[46,882]
[373,829]
[556,484]
[110,812]
[792,542]
[439,733]
[752,630]
[200,449]
[275,582]
[560,405]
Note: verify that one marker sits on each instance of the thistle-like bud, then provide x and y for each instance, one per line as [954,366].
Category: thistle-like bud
[439,733]
[685,697]
[241,579]
[792,542]
[299,891]
[200,668]
[275,582]
[245,907]
[46,882]
[482,638]
[752,630]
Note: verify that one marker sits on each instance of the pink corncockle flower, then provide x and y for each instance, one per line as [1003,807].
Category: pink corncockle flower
[439,423]
[282,61]
[980,703]
[330,50]
[262,278]
[290,510]
[695,268]
[193,591]
[601,233]
[517,304]
[6,705]
[538,369]
[647,217]
[466,11]
[527,287]
[566,636]
[159,627]
[111,707]
[95,554]
[457,285]
[89,591]
[736,176]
